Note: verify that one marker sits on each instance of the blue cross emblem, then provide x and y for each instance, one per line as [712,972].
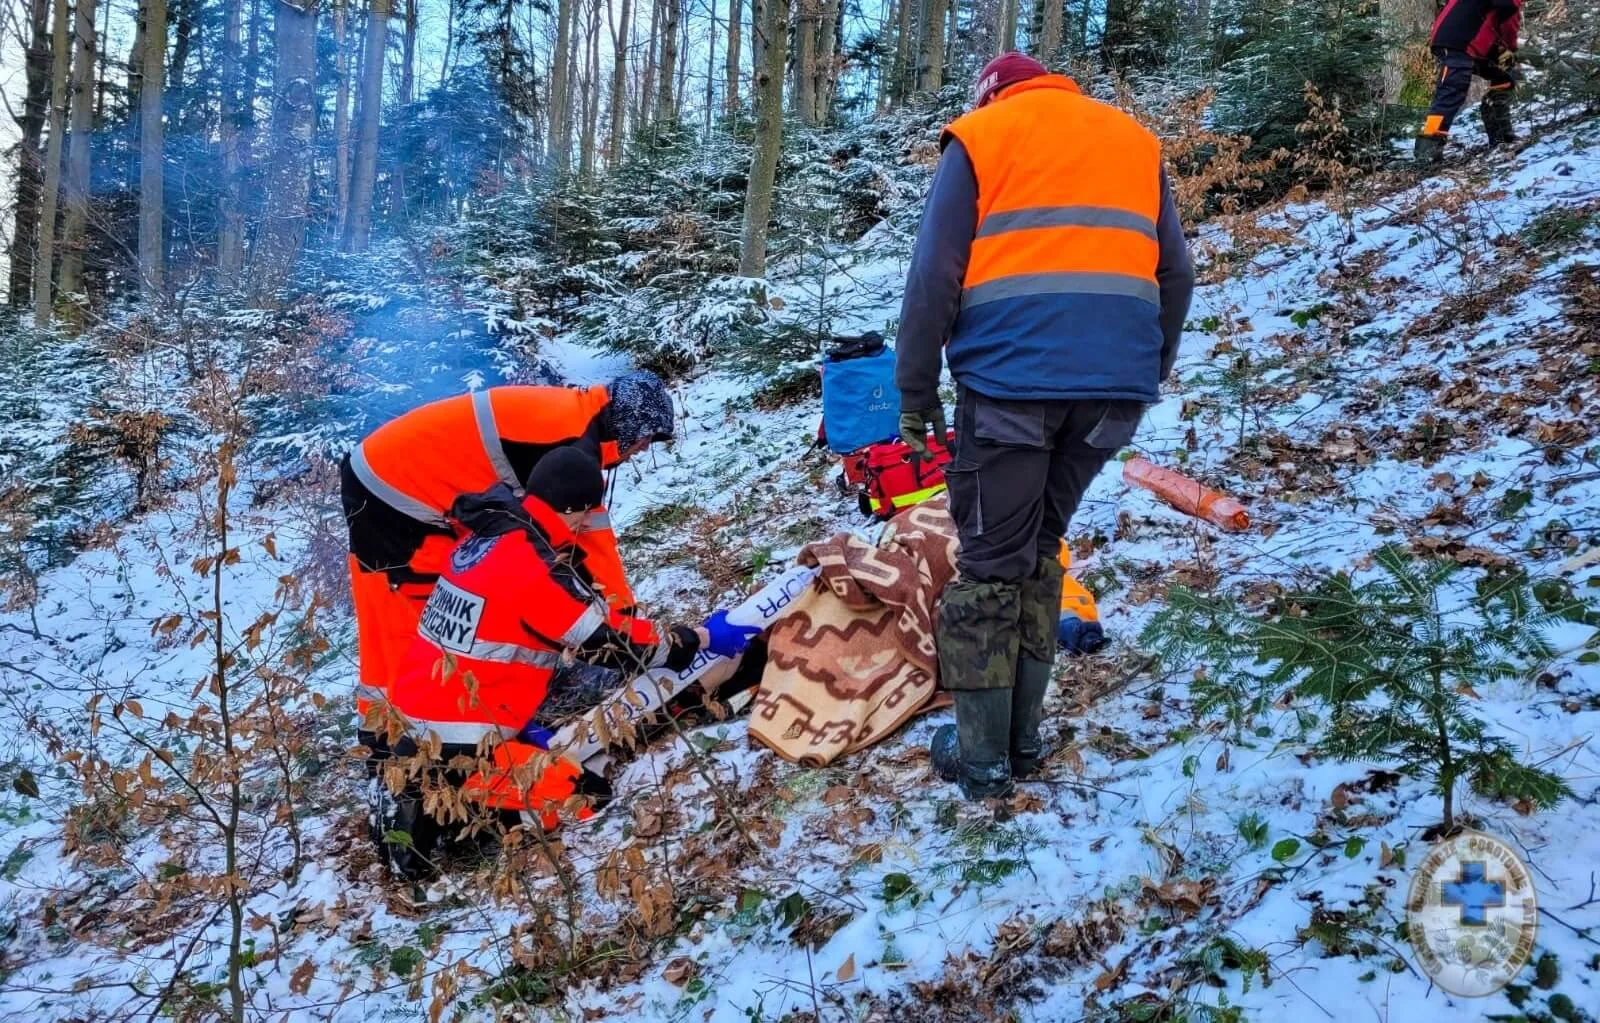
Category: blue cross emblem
[1474,893]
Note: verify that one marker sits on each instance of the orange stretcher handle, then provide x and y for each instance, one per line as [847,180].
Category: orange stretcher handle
[1188,496]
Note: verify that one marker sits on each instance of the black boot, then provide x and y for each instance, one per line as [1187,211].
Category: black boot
[1496,112]
[1027,710]
[977,664]
[973,750]
[1430,149]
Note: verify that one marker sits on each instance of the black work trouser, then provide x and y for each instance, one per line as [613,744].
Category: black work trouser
[1019,472]
[1456,69]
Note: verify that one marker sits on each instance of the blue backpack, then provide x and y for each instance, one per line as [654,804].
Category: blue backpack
[860,403]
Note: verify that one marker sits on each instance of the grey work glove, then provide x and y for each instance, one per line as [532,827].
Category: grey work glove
[915,426]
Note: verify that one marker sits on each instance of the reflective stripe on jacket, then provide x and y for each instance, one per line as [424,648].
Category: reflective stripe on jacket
[1060,297]
[494,630]
[418,464]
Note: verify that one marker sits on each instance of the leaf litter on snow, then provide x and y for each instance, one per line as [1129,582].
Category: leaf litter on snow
[1414,391]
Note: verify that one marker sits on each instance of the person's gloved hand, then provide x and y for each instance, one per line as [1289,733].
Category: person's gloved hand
[915,427]
[1507,59]
[728,639]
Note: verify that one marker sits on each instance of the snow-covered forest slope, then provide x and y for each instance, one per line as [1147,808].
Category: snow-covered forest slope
[1402,365]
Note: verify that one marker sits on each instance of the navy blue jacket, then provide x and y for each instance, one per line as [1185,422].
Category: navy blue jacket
[932,302]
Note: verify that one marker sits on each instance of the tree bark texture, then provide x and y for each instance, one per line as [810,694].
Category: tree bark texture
[807,19]
[76,184]
[283,224]
[152,151]
[1008,25]
[30,168]
[1406,24]
[591,94]
[930,64]
[231,132]
[903,56]
[730,95]
[408,59]
[619,82]
[341,114]
[1046,30]
[827,60]
[364,177]
[647,88]
[44,257]
[560,86]
[666,104]
[771,50]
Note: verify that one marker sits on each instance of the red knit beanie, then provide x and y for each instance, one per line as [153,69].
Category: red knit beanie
[1006,69]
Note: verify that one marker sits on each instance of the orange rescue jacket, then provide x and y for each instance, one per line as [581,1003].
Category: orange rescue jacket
[417,465]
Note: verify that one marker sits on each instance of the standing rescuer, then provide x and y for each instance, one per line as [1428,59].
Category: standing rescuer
[399,485]
[1472,37]
[1051,263]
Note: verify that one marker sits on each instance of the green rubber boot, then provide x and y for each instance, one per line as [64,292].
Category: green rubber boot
[1028,751]
[972,752]
[978,640]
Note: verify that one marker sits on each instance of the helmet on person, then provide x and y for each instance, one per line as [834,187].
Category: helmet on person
[1006,69]
[641,409]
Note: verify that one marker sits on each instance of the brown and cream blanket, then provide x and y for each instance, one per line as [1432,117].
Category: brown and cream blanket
[856,658]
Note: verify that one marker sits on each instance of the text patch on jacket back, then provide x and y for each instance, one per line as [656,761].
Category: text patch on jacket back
[451,617]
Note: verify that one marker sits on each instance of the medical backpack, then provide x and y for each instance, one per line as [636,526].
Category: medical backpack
[860,403]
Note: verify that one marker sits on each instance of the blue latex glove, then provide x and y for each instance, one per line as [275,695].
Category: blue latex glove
[728,639]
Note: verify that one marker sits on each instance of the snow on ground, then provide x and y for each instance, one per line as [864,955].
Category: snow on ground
[1413,374]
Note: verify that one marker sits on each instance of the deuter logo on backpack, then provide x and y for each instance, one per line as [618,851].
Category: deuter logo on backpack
[860,403]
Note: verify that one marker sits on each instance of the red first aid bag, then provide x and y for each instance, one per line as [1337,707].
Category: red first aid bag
[890,477]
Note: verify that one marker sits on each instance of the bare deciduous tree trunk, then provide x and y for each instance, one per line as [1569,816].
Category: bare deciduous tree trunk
[449,39]
[730,97]
[1406,23]
[44,258]
[77,176]
[230,233]
[666,105]
[30,175]
[591,94]
[771,46]
[1046,30]
[807,18]
[408,59]
[647,89]
[902,55]
[930,64]
[341,116]
[152,151]
[711,64]
[1008,25]
[560,85]
[619,81]
[364,177]
[827,63]
[288,185]
[182,19]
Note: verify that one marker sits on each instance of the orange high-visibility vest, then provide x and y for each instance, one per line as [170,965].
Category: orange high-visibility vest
[1060,298]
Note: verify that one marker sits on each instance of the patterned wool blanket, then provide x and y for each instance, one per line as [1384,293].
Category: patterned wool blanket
[856,657]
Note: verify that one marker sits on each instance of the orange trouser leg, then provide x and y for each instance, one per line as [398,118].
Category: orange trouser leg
[507,788]
[386,623]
